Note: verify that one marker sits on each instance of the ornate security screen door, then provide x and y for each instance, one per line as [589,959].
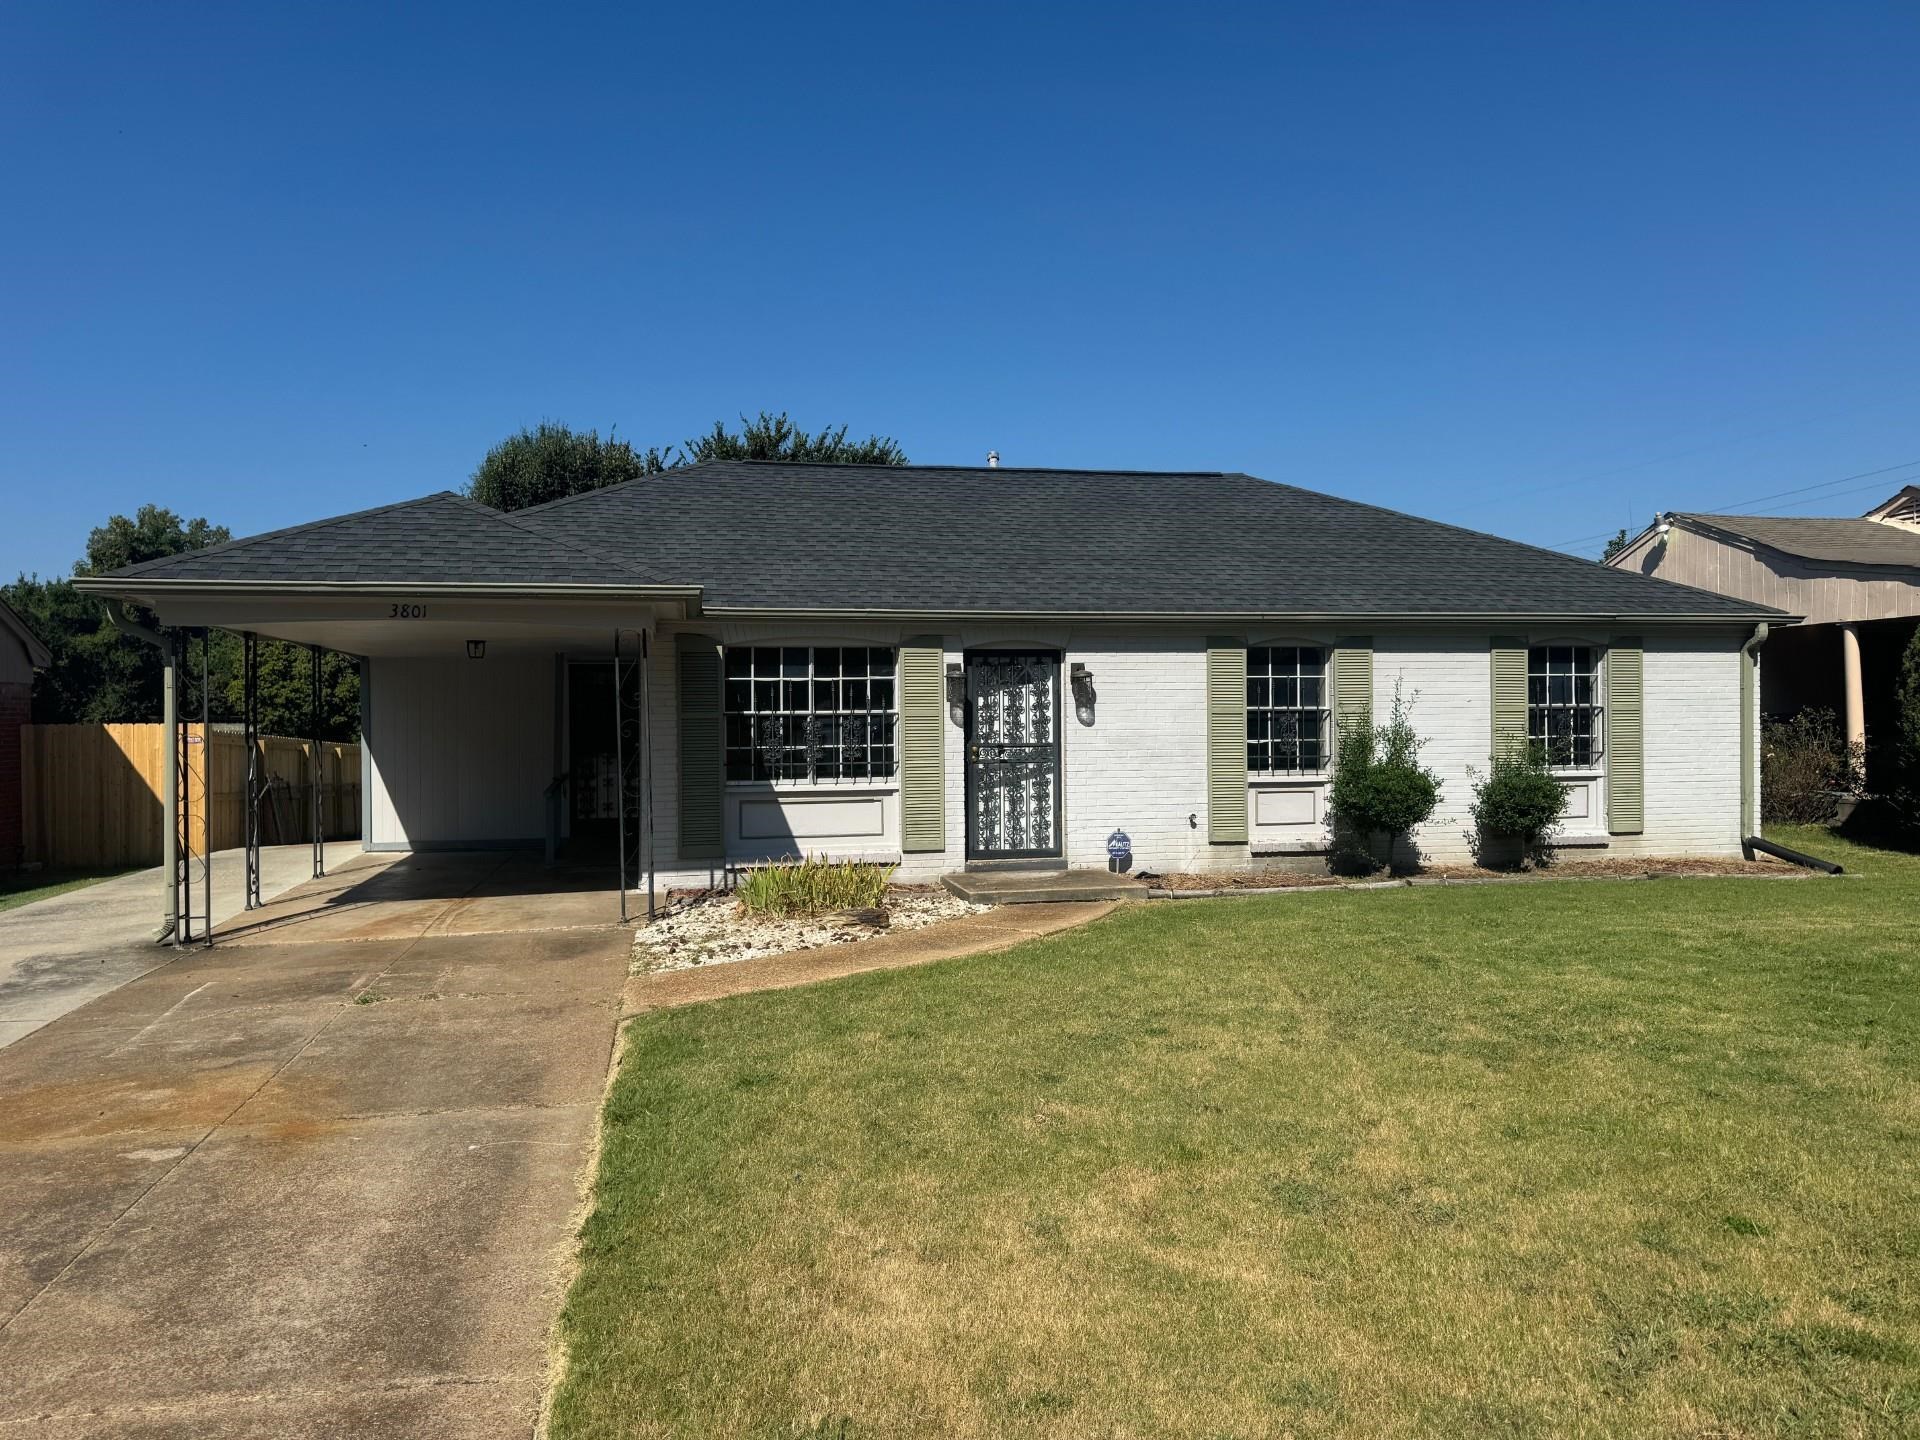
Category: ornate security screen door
[1013,755]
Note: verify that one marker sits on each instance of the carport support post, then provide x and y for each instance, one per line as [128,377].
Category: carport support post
[250,732]
[620,776]
[170,781]
[313,697]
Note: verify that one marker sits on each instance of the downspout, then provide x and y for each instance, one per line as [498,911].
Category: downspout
[170,757]
[1749,737]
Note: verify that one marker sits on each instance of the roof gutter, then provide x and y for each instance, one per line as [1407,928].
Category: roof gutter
[132,586]
[1260,617]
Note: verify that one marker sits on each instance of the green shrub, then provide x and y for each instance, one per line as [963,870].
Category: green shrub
[1906,762]
[1379,788]
[1805,763]
[810,886]
[1519,801]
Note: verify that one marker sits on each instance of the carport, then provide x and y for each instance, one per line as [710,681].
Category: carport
[504,685]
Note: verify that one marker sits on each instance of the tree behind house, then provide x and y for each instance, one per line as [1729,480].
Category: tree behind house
[98,675]
[551,461]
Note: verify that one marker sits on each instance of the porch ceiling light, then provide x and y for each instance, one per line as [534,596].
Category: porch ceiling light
[476,649]
[956,693]
[1081,679]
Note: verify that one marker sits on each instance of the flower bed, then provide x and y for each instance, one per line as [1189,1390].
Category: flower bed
[709,928]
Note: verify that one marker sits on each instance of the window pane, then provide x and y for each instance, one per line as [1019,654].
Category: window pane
[795,693]
[1259,724]
[739,662]
[1259,661]
[1313,692]
[880,693]
[1559,688]
[1312,658]
[826,695]
[793,662]
[826,662]
[739,695]
[766,662]
[1258,692]
[854,694]
[1257,757]
[766,696]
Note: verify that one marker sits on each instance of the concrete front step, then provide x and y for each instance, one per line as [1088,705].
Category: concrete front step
[1040,887]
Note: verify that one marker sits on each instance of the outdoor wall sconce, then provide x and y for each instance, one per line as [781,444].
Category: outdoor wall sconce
[1081,679]
[476,649]
[956,693]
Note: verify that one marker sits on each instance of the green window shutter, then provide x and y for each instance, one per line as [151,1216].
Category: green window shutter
[1226,741]
[1626,738]
[923,741]
[1509,695]
[702,758]
[1351,670]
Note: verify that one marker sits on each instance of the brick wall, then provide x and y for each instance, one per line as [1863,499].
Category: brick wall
[1141,766]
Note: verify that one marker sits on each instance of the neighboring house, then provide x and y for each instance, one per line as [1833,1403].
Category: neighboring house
[944,666]
[21,653]
[1855,580]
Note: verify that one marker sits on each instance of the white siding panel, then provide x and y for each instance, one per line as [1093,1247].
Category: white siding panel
[460,750]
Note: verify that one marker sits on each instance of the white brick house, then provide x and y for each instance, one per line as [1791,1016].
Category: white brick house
[946,667]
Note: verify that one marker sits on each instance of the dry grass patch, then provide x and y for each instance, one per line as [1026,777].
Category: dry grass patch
[1542,1160]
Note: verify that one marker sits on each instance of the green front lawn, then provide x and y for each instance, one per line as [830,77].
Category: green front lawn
[23,887]
[1607,1158]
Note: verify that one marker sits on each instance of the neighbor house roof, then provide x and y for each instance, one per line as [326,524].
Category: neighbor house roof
[851,539]
[438,539]
[1833,542]
[38,656]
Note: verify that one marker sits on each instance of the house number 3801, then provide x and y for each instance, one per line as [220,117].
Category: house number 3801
[402,611]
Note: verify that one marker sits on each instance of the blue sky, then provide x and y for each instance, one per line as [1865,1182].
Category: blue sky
[1539,268]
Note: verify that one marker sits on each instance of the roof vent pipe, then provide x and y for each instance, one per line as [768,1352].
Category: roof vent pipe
[993,459]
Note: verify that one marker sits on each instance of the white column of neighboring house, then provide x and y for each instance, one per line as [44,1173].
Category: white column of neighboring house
[1855,692]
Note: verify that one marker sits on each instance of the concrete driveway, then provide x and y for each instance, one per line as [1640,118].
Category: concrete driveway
[309,1182]
[57,954]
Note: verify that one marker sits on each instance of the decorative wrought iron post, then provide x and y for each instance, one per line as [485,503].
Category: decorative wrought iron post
[250,734]
[646,767]
[182,817]
[634,813]
[185,743]
[319,837]
[620,791]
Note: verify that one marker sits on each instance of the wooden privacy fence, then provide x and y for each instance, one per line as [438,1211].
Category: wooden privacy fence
[90,794]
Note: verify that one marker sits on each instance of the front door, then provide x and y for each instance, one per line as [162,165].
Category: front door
[1013,755]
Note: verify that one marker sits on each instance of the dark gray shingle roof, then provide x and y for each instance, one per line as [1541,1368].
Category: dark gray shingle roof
[438,539]
[944,539]
[1833,542]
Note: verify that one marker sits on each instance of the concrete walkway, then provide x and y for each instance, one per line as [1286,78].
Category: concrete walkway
[996,929]
[57,954]
[309,1187]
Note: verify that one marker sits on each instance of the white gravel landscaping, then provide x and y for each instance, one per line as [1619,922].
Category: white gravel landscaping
[712,929]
